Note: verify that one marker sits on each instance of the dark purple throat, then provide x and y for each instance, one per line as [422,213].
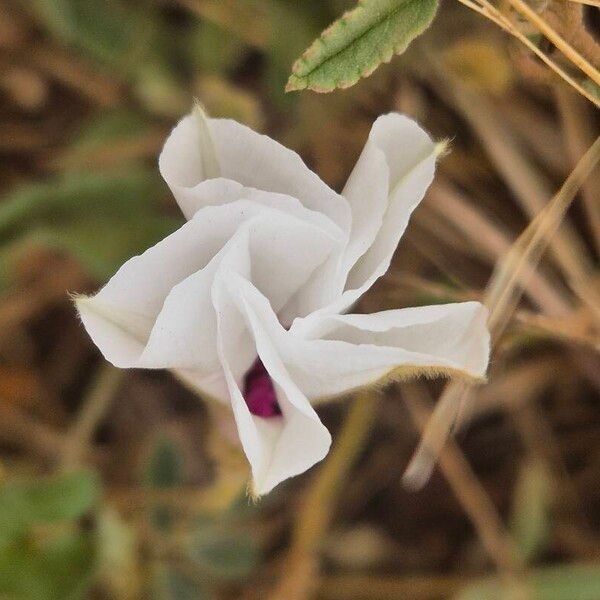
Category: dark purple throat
[259,391]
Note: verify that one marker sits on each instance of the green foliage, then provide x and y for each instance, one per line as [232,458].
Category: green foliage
[565,582]
[530,516]
[42,555]
[357,43]
[213,49]
[165,466]
[79,212]
[109,31]
[23,505]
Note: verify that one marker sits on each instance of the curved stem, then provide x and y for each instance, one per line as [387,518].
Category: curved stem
[315,514]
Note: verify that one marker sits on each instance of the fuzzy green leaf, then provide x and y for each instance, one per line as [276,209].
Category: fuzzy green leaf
[358,42]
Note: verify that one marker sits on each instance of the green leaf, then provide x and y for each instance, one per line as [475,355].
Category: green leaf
[109,31]
[165,466]
[564,582]
[42,501]
[79,212]
[530,515]
[59,569]
[357,43]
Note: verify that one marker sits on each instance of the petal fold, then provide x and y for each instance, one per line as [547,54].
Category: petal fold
[249,158]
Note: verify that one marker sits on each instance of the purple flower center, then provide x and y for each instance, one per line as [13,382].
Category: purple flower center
[259,391]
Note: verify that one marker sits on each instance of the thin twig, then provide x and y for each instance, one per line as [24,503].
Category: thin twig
[94,406]
[494,15]
[469,492]
[502,298]
[300,575]
[545,28]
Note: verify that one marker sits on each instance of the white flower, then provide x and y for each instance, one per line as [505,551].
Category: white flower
[246,301]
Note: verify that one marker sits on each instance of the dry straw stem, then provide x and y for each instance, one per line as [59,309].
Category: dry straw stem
[301,572]
[502,296]
[94,407]
[568,50]
[469,492]
[576,119]
[528,185]
[489,11]
[587,2]
[490,241]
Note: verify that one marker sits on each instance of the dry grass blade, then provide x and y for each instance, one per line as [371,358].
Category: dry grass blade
[501,296]
[94,408]
[471,494]
[529,186]
[578,136]
[570,52]
[493,14]
[300,575]
[492,242]
[501,299]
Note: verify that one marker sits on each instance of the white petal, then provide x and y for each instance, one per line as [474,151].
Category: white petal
[277,447]
[120,317]
[367,191]
[409,156]
[277,251]
[360,349]
[248,158]
[184,335]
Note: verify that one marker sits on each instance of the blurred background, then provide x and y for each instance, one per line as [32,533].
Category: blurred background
[123,484]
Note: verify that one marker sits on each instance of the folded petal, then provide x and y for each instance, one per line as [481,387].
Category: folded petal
[246,157]
[410,156]
[397,164]
[357,350]
[277,447]
[120,317]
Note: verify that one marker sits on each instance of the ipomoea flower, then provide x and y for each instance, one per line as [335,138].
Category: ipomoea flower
[247,301]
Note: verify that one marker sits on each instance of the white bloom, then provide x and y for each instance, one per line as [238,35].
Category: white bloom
[246,301]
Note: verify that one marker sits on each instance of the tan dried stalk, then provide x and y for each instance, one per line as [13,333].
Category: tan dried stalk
[300,574]
[503,293]
[489,11]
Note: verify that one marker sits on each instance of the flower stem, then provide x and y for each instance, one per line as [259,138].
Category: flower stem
[301,572]
[95,404]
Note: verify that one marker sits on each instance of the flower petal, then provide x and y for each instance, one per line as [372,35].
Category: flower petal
[409,156]
[277,447]
[120,317]
[279,251]
[249,158]
[358,350]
